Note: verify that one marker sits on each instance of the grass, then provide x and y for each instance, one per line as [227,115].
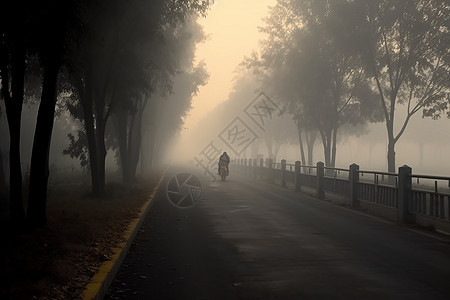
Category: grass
[58,260]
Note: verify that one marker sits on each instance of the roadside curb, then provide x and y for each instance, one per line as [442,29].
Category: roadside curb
[99,284]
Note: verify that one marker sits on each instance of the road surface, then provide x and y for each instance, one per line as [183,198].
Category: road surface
[248,239]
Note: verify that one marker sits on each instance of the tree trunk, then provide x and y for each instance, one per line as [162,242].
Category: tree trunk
[101,154]
[39,172]
[391,146]
[2,174]
[121,132]
[83,86]
[92,148]
[136,144]
[326,142]
[86,94]
[152,152]
[310,141]
[269,146]
[327,154]
[143,157]
[101,117]
[333,150]
[300,140]
[17,212]
[120,123]
[391,156]
[13,106]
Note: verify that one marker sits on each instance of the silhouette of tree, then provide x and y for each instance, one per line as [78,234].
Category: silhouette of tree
[404,48]
[13,42]
[305,67]
[88,39]
[118,66]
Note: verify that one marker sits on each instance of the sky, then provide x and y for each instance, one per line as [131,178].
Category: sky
[232,30]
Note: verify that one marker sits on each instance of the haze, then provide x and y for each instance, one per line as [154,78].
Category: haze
[169,87]
[232,32]
[116,118]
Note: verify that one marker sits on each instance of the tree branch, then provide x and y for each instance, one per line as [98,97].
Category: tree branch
[389,63]
[345,104]
[380,90]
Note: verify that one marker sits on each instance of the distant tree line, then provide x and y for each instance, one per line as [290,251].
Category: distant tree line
[113,62]
[342,62]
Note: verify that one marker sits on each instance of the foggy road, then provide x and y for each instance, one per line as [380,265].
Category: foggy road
[247,239]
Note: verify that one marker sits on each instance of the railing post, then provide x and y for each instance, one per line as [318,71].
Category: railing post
[283,172]
[297,176]
[353,178]
[269,169]
[250,167]
[404,189]
[319,177]
[254,167]
[245,167]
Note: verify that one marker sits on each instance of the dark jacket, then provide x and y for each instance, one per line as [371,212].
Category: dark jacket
[224,158]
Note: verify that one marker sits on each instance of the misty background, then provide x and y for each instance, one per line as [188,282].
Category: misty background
[333,79]
[132,86]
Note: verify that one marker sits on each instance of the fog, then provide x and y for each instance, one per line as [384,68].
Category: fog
[424,145]
[350,104]
[114,115]
[171,84]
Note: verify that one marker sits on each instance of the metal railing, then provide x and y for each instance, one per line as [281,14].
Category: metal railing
[334,182]
[430,202]
[392,191]
[372,191]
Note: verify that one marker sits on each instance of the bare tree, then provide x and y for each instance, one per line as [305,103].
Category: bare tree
[404,47]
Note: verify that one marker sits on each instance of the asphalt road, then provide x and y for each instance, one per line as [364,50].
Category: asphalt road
[248,239]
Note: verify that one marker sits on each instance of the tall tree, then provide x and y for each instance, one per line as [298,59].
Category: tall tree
[118,46]
[2,167]
[3,185]
[52,29]
[48,31]
[305,66]
[165,116]
[14,24]
[91,67]
[154,66]
[404,46]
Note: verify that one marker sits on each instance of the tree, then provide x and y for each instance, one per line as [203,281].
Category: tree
[122,31]
[404,47]
[127,121]
[2,162]
[162,63]
[91,67]
[53,28]
[13,43]
[305,66]
[305,133]
[51,32]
